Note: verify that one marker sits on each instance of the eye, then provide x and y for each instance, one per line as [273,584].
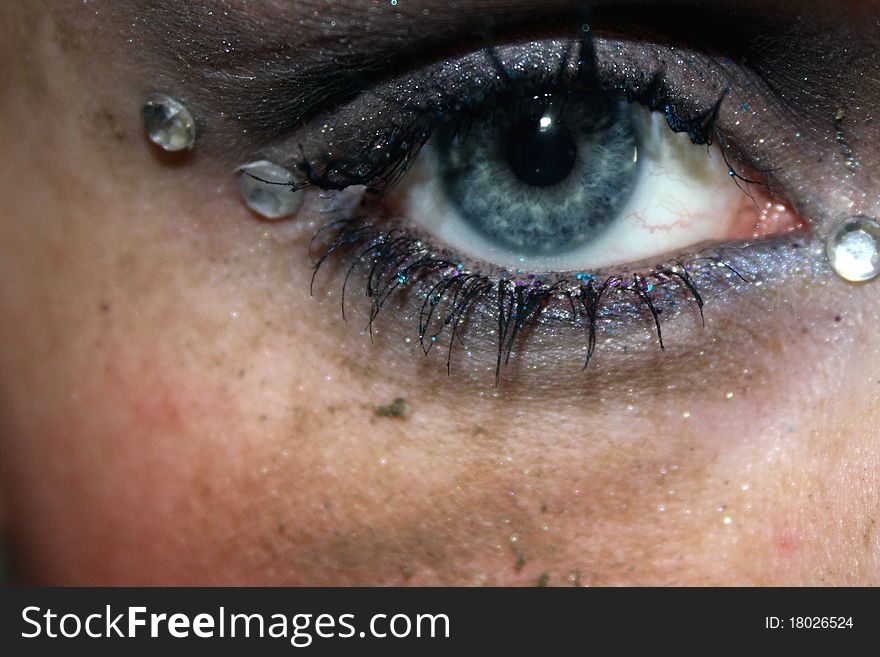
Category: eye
[574,182]
[546,182]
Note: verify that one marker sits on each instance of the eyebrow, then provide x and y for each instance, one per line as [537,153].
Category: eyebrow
[357,27]
[274,63]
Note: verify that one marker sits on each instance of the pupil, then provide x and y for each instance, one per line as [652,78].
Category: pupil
[541,152]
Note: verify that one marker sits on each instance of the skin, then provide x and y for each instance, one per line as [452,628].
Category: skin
[176,409]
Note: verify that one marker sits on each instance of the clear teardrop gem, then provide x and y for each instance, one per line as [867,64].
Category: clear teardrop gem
[168,123]
[853,249]
[267,189]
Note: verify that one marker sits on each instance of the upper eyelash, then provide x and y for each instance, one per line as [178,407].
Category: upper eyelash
[399,148]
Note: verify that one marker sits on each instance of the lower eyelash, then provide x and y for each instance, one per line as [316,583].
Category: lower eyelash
[445,294]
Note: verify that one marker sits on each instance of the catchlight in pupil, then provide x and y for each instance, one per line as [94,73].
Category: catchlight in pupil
[541,150]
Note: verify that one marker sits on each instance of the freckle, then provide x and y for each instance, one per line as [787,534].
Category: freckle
[837,318]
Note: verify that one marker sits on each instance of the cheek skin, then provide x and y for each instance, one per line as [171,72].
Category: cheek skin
[166,479]
[180,411]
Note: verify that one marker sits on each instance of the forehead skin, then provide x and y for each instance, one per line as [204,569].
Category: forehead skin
[175,408]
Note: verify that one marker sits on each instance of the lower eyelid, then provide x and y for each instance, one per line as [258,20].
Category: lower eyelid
[721,275]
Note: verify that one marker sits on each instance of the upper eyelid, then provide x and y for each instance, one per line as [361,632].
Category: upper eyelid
[698,79]
[436,86]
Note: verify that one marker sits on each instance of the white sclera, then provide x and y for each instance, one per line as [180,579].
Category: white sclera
[267,189]
[682,196]
[853,249]
[168,123]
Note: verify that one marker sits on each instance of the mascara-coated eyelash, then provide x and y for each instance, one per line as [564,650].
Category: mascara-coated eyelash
[373,141]
[448,294]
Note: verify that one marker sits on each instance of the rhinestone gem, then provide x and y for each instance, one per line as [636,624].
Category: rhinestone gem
[267,190]
[853,249]
[168,123]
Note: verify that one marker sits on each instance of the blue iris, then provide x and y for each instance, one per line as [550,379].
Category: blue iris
[545,177]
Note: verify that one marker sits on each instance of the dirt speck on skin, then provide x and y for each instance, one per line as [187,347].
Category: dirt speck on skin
[544,579]
[112,124]
[398,408]
[520,562]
